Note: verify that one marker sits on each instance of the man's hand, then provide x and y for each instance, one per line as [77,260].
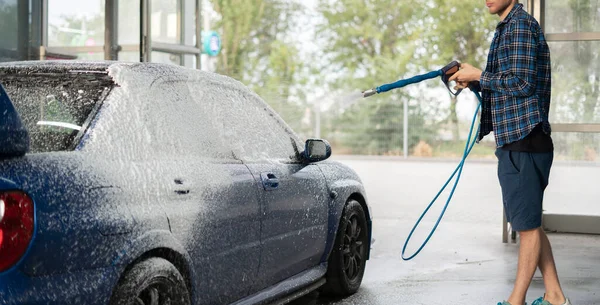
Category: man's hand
[465,75]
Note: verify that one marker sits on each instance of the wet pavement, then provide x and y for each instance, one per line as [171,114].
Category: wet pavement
[465,262]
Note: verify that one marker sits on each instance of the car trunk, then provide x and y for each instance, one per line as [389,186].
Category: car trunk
[43,182]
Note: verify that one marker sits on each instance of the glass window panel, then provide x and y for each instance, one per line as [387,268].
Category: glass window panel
[252,117]
[15,34]
[178,123]
[166,25]
[190,61]
[129,22]
[129,56]
[576,146]
[525,5]
[75,23]
[166,58]
[572,16]
[90,56]
[575,82]
[573,187]
[50,105]
[9,26]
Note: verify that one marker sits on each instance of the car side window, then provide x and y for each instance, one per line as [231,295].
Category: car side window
[247,124]
[264,135]
[178,124]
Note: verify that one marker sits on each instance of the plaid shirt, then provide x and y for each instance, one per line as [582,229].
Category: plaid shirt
[516,82]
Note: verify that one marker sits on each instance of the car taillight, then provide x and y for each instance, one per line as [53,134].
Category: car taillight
[16,227]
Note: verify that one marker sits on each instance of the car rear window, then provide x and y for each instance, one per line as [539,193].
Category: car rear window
[55,107]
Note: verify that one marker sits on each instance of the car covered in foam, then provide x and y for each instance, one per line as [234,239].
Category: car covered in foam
[140,183]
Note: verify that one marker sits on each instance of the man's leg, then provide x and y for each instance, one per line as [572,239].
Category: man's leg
[529,257]
[554,293]
[523,179]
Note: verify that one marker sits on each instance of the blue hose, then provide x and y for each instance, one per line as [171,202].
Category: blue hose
[468,147]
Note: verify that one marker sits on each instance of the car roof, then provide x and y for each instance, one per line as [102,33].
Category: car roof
[119,72]
[58,66]
[154,70]
[107,70]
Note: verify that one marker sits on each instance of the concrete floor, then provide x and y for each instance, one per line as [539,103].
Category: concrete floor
[465,262]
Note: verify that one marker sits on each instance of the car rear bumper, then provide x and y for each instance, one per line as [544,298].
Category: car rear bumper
[80,287]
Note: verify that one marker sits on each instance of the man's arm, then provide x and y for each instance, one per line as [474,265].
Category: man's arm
[518,66]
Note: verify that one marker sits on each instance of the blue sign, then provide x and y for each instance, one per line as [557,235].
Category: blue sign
[211,42]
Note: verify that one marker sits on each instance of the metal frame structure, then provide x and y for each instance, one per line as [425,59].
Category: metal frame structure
[111,46]
[181,49]
[111,30]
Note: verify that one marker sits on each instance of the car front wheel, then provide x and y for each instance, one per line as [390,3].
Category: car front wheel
[346,264]
[153,281]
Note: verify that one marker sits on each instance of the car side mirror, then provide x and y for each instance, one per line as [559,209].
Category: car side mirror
[316,150]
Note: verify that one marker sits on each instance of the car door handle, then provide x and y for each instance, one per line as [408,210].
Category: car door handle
[179,181]
[269,181]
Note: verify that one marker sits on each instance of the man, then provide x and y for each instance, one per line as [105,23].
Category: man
[515,88]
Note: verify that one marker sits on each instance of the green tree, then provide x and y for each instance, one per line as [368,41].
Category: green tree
[258,51]
[81,28]
[367,43]
[279,83]
[456,30]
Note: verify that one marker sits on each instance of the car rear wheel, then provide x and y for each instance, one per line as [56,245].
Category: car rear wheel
[347,261]
[154,281]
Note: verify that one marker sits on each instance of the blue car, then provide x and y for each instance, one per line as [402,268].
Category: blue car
[139,183]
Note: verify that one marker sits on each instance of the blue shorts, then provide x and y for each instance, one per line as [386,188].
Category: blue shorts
[523,178]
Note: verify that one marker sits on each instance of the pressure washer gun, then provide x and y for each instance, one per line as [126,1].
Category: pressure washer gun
[445,72]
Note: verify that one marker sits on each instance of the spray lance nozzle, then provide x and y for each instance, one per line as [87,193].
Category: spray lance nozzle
[369,92]
[446,72]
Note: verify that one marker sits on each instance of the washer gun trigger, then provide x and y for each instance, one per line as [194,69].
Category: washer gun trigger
[447,72]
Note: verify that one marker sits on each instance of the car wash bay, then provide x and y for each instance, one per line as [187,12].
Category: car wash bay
[466,260]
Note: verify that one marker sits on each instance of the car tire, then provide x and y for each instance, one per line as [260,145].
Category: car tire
[151,280]
[346,264]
